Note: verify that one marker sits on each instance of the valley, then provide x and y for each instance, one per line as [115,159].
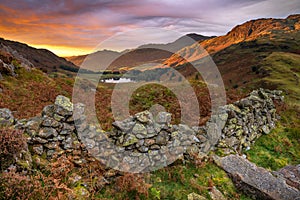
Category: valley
[262,53]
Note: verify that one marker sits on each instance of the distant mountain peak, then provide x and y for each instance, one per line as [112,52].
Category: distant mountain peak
[147,53]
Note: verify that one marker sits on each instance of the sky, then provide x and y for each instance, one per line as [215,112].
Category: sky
[76,27]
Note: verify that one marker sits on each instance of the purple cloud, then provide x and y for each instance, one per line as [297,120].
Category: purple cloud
[83,24]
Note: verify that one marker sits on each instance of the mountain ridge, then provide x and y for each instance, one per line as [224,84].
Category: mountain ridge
[247,31]
[146,53]
[42,59]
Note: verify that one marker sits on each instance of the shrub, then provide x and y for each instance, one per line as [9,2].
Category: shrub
[69,68]
[15,63]
[254,68]
[14,185]
[52,184]
[12,142]
[235,86]
[134,184]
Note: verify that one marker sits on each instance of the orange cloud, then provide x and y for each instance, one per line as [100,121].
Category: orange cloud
[70,24]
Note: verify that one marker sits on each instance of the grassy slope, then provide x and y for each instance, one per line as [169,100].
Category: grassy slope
[282,146]
[30,91]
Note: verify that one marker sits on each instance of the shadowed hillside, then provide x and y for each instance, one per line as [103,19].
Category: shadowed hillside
[40,58]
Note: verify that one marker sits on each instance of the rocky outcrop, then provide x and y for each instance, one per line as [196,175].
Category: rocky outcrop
[7,69]
[6,117]
[259,182]
[10,60]
[248,31]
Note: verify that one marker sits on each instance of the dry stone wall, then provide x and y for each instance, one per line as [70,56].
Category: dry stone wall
[236,126]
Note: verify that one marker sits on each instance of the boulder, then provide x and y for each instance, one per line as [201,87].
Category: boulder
[257,181]
[291,174]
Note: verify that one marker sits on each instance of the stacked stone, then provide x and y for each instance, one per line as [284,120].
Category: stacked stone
[143,132]
[145,141]
[148,142]
[249,118]
[54,132]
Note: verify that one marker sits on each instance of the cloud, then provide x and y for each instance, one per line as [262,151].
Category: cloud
[83,24]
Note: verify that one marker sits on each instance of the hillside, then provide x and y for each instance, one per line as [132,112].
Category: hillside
[148,53]
[39,58]
[105,56]
[245,59]
[265,131]
[272,29]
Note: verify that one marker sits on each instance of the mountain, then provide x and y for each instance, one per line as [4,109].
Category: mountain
[249,31]
[178,44]
[148,53]
[105,56]
[38,58]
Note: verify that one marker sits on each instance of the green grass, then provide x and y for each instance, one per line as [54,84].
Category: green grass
[282,146]
[284,71]
[278,149]
[273,151]
[179,180]
[176,182]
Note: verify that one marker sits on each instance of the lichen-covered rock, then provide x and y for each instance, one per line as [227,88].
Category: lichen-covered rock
[162,138]
[144,117]
[47,132]
[50,122]
[257,181]
[125,125]
[291,174]
[130,139]
[215,194]
[64,102]
[81,192]
[6,117]
[163,118]
[248,119]
[194,196]
[140,131]
[32,126]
